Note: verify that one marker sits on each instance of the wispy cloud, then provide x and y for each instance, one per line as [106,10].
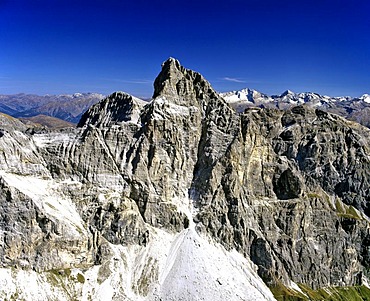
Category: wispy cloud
[132,81]
[234,80]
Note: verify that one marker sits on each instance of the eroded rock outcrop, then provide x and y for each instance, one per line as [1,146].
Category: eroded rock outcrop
[287,190]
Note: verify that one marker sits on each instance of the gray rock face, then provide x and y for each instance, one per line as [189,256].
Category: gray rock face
[287,189]
[116,108]
[32,238]
[277,196]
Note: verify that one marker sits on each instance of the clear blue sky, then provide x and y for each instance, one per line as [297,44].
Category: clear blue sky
[63,46]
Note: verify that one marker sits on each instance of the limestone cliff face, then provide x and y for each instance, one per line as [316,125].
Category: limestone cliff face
[277,197]
[288,190]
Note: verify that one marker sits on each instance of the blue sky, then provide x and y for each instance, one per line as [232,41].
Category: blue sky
[63,46]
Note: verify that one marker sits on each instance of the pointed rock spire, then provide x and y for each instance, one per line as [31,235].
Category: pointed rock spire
[287,92]
[181,85]
[165,83]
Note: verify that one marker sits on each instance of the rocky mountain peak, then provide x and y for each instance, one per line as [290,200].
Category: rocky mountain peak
[287,92]
[172,62]
[116,108]
[181,85]
[166,81]
[117,210]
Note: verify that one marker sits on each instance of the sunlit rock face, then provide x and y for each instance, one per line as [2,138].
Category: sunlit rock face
[182,198]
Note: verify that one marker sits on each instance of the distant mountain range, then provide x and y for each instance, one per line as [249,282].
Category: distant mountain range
[355,109]
[66,107]
[70,108]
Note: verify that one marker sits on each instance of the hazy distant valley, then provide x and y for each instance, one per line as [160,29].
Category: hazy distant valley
[66,107]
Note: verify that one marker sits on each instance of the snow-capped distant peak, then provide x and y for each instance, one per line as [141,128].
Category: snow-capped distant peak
[365,98]
[245,95]
[287,92]
[246,98]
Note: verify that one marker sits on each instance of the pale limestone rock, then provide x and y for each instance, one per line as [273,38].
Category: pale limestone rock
[287,190]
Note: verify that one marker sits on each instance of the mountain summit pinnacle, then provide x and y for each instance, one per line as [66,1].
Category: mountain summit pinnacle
[181,85]
[172,62]
[165,84]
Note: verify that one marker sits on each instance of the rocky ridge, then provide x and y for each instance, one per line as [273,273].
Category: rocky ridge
[134,202]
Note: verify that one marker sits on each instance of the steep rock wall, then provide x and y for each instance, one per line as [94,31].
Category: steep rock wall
[287,190]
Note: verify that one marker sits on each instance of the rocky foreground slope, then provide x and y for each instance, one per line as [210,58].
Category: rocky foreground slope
[183,198]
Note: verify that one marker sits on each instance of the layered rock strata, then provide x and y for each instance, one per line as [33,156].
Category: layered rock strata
[287,190]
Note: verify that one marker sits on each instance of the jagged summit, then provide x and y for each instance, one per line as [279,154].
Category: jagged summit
[165,83]
[175,90]
[172,62]
[287,92]
[117,107]
[183,86]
